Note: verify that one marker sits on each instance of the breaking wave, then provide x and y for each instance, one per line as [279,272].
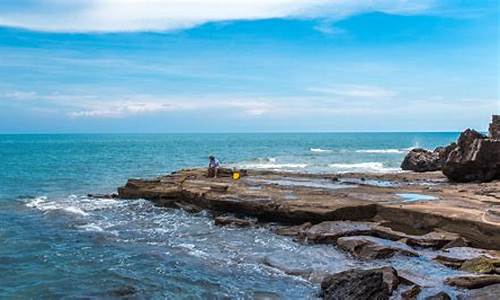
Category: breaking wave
[370,167]
[383,151]
[319,150]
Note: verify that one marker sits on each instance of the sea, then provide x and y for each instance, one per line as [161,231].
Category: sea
[57,243]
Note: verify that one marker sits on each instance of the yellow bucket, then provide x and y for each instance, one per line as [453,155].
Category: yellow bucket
[236,175]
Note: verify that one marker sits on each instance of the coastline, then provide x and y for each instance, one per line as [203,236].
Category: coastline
[368,215]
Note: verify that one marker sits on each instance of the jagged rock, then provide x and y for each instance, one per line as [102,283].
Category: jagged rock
[490,292]
[233,221]
[476,158]
[373,248]
[360,284]
[439,296]
[421,160]
[473,281]
[433,239]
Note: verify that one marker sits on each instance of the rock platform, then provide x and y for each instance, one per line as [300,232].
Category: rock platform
[409,205]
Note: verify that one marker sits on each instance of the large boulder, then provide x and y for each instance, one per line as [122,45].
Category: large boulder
[476,158]
[421,160]
[358,284]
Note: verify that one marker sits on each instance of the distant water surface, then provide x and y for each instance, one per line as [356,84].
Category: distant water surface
[55,242]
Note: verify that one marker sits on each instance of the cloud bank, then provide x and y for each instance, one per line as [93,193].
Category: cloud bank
[167,15]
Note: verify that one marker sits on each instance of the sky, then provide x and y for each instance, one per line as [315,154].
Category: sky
[120,66]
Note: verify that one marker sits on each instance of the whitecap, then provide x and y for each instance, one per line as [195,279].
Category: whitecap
[381,151]
[91,227]
[319,150]
[370,167]
[273,166]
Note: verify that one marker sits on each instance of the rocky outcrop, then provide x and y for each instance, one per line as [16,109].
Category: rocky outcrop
[476,158]
[233,221]
[421,160]
[360,284]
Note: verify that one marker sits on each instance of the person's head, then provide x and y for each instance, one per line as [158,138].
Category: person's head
[211,157]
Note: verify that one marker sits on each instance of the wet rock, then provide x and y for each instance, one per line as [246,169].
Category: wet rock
[411,293]
[490,292]
[103,196]
[373,248]
[421,160]
[459,242]
[476,158]
[358,284]
[439,296]
[480,264]
[473,281]
[233,221]
[457,256]
[331,231]
[298,230]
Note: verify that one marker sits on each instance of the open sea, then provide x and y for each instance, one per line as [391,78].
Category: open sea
[57,243]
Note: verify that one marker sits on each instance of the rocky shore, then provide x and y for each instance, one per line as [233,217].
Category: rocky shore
[369,216]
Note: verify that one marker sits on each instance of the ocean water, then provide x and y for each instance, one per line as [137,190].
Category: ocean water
[57,243]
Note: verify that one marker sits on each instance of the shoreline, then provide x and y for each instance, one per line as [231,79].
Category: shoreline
[370,216]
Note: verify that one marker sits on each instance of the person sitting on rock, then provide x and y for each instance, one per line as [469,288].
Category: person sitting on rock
[213,166]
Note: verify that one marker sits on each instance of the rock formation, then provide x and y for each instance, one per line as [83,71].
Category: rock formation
[476,158]
[421,160]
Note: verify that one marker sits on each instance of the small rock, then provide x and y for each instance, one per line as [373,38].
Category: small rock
[480,264]
[421,160]
[357,284]
[373,248]
[330,231]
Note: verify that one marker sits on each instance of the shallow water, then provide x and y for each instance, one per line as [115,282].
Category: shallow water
[55,242]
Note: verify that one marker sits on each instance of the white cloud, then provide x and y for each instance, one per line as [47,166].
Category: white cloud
[356,91]
[153,15]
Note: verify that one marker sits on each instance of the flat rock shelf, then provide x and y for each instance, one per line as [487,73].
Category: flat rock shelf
[369,216]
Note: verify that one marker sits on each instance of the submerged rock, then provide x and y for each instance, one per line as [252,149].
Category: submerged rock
[476,158]
[358,284]
[470,259]
[373,248]
[411,293]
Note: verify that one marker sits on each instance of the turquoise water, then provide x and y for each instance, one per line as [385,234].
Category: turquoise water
[57,243]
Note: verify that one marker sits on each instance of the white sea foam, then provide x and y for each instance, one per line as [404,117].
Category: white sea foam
[91,227]
[371,167]
[382,151]
[272,166]
[319,150]
[43,204]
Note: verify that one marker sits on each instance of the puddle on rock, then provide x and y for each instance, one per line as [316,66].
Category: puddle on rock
[412,197]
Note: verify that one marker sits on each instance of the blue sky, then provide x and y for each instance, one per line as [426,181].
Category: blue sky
[247,66]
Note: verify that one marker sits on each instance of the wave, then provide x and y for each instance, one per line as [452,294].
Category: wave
[319,150]
[41,203]
[370,167]
[384,151]
[272,166]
